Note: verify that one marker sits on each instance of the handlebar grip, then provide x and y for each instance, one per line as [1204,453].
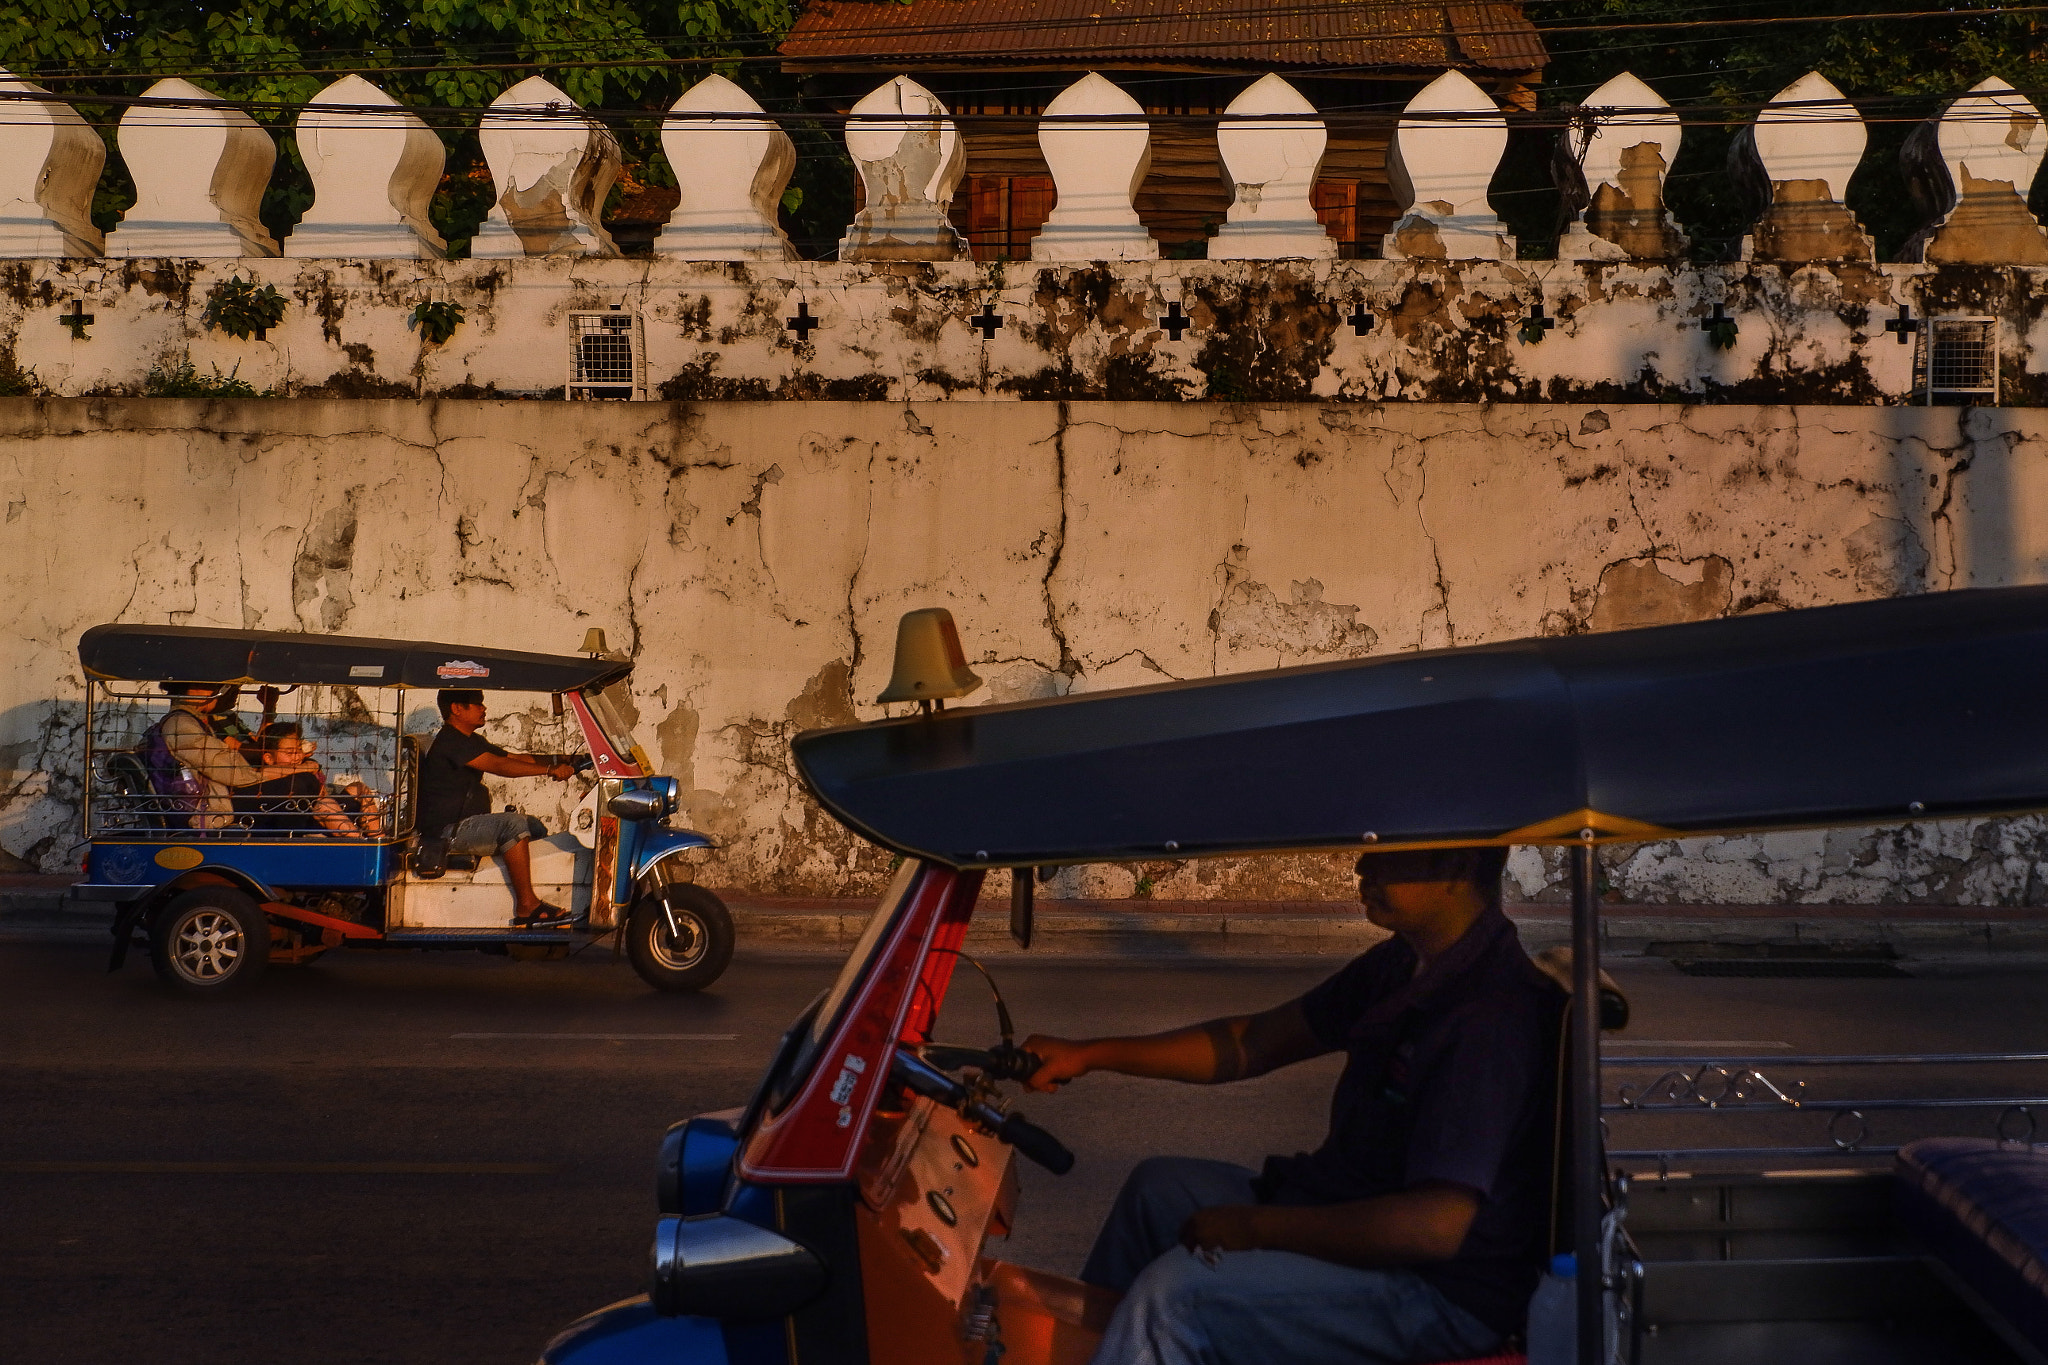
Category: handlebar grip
[1034,1142]
[1009,1063]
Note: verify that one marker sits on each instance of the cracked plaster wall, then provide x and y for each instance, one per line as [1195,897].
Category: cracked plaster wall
[1441,331]
[754,557]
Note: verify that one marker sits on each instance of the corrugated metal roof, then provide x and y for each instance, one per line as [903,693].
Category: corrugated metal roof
[1399,34]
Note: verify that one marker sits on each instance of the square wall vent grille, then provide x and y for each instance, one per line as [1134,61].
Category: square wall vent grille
[605,359]
[1959,359]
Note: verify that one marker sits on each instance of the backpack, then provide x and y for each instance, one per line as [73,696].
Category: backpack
[180,791]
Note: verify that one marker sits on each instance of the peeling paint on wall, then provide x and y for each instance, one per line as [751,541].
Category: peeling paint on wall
[754,558]
[1415,330]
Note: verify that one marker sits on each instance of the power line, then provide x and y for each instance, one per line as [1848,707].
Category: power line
[1248,13]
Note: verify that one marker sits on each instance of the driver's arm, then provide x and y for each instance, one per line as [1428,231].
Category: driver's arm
[1230,1049]
[1413,1226]
[521,765]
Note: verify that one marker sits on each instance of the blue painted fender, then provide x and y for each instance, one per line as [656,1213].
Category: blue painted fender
[630,1332]
[656,844]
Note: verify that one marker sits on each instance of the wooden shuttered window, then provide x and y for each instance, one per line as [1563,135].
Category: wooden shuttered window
[1336,206]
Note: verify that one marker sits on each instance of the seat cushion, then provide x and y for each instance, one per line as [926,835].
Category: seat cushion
[1982,1207]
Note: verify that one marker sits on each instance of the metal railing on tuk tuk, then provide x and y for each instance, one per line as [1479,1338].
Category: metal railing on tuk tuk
[1730,1088]
[365,779]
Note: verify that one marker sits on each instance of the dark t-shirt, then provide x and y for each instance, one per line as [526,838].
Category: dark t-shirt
[1451,1078]
[286,803]
[450,790]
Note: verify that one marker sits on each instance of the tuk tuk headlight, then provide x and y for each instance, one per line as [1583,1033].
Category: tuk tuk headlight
[654,801]
[718,1266]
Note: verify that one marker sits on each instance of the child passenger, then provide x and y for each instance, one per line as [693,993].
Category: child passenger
[300,800]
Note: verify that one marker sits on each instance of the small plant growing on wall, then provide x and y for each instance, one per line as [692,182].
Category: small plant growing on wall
[240,309]
[436,320]
[1721,332]
[16,382]
[182,381]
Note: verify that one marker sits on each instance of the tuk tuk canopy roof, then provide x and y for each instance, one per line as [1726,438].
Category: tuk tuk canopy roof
[1872,712]
[196,654]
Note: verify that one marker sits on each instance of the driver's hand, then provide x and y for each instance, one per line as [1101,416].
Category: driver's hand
[1064,1060]
[562,772]
[1225,1227]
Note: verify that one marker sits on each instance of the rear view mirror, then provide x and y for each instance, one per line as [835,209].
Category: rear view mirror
[718,1266]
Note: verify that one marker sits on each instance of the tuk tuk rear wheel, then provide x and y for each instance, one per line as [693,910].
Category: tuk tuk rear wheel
[686,963]
[210,941]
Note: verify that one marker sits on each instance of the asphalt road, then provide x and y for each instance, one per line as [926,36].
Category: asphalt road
[444,1158]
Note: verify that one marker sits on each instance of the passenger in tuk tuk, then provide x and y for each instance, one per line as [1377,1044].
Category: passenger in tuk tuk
[1418,1230]
[298,799]
[189,733]
[454,806]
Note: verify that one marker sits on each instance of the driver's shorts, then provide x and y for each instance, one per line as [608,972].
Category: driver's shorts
[480,836]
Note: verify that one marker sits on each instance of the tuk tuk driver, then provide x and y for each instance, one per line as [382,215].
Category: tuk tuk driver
[454,805]
[1418,1230]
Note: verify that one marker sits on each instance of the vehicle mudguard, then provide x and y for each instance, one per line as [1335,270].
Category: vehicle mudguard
[133,911]
[658,844]
[630,1332]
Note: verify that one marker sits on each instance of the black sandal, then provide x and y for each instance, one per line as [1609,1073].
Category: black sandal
[545,916]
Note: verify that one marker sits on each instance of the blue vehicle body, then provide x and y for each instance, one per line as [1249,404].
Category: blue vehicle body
[694,1175]
[126,869]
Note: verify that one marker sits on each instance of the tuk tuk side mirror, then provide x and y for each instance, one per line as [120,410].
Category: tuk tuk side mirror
[718,1266]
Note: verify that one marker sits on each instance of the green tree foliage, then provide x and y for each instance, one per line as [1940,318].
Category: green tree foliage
[425,53]
[1898,70]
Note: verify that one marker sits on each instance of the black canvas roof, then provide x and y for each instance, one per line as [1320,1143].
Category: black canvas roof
[1871,712]
[197,654]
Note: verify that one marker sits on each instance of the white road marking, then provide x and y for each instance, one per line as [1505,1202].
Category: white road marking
[613,1037]
[1687,1045]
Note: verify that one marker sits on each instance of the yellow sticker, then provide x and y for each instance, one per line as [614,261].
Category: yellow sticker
[180,857]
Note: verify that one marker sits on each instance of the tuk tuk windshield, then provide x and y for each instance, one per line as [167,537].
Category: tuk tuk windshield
[824,1018]
[608,707]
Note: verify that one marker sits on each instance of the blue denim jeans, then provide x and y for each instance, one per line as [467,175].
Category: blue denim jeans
[1254,1307]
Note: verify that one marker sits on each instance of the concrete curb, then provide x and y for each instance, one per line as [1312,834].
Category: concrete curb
[35,909]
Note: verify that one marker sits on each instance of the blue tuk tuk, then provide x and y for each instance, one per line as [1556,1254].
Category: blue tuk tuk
[216,883]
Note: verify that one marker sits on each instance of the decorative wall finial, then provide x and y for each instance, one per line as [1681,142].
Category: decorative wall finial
[1971,168]
[551,166]
[910,161]
[1797,158]
[374,171]
[1635,136]
[1097,168]
[1444,154]
[731,172]
[49,166]
[200,169]
[1271,170]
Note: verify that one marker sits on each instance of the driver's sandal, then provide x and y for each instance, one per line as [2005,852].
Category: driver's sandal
[544,916]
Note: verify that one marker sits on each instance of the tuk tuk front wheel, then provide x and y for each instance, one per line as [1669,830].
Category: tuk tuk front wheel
[210,941]
[688,960]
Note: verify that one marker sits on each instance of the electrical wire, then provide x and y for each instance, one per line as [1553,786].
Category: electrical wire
[1246,14]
